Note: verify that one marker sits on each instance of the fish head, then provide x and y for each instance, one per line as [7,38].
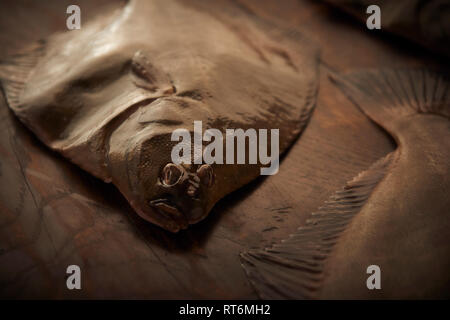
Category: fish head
[181,192]
[170,195]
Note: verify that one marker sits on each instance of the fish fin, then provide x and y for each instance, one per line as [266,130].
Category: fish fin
[387,96]
[298,50]
[293,269]
[15,70]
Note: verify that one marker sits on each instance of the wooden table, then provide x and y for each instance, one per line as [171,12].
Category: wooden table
[53,214]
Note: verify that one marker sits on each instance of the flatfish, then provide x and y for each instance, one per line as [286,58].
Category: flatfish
[109,96]
[395,215]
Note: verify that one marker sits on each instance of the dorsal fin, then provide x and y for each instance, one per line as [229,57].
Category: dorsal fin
[15,71]
[388,96]
[293,269]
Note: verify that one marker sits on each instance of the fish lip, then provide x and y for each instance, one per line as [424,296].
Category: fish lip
[169,210]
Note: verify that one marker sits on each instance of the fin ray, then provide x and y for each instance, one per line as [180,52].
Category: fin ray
[386,95]
[300,259]
[15,71]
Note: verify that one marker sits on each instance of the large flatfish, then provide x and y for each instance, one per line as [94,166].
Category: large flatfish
[109,96]
[395,215]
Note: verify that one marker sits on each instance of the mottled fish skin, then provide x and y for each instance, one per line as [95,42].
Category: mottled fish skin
[396,215]
[109,96]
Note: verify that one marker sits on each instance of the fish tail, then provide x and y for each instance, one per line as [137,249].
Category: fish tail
[389,96]
[15,70]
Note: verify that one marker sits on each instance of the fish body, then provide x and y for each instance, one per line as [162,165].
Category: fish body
[395,215]
[109,96]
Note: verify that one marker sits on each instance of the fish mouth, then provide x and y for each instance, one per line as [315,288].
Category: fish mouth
[169,210]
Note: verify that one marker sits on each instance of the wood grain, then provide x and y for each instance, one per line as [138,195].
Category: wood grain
[52,214]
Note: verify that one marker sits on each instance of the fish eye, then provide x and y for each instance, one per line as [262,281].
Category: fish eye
[171,174]
[206,175]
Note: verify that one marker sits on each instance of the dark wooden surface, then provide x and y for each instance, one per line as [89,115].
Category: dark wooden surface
[53,214]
